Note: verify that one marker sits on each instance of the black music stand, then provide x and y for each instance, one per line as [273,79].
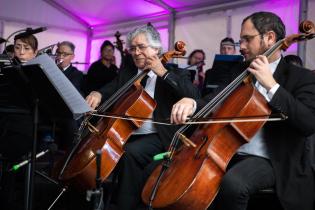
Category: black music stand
[45,86]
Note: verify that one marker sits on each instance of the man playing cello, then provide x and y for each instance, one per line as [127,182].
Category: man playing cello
[276,156]
[166,87]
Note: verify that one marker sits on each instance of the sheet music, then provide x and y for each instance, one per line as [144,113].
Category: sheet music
[64,87]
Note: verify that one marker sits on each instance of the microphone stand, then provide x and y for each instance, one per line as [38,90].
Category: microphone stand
[165,166]
[97,193]
[31,164]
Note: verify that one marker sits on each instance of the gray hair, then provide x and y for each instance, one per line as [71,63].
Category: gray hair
[152,35]
[67,43]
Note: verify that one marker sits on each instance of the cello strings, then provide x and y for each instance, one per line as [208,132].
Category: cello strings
[83,131]
[220,97]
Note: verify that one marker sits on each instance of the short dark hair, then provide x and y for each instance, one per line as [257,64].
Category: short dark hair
[267,21]
[196,51]
[106,43]
[227,41]
[67,43]
[30,39]
[294,59]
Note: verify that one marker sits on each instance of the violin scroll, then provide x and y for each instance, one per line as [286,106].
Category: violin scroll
[180,46]
[179,51]
[307,27]
[119,43]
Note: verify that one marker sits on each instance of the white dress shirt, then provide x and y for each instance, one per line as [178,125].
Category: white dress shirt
[148,127]
[257,145]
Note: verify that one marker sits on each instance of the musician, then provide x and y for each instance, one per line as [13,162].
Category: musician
[102,71]
[25,48]
[276,156]
[227,46]
[16,123]
[65,54]
[64,57]
[166,87]
[212,76]
[197,57]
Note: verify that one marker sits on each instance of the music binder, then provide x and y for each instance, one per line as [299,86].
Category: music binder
[55,92]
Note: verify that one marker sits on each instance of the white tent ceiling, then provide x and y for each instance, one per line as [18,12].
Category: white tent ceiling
[100,12]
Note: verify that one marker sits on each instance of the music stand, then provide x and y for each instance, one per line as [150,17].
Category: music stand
[49,89]
[222,64]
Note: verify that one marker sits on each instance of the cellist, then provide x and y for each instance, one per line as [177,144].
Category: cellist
[276,156]
[166,87]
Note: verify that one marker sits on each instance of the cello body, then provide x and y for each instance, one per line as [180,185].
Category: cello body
[111,134]
[110,137]
[193,176]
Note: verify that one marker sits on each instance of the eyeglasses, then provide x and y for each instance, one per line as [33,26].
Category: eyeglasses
[247,38]
[22,47]
[63,54]
[141,47]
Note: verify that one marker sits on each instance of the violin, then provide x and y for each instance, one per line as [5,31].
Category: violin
[110,134]
[189,178]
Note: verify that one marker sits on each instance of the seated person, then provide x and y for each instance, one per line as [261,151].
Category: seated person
[222,69]
[16,124]
[102,71]
[277,155]
[65,55]
[65,136]
[166,87]
[197,58]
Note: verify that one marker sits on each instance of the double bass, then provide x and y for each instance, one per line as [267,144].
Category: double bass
[190,177]
[110,134]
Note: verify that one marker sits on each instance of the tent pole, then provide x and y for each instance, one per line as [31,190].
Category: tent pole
[171,30]
[302,16]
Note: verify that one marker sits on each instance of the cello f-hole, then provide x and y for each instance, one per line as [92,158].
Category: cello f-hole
[204,141]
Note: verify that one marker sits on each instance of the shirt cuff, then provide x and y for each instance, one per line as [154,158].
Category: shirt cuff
[194,107]
[272,91]
[165,75]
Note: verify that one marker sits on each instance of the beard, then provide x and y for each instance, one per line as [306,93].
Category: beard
[250,55]
[263,48]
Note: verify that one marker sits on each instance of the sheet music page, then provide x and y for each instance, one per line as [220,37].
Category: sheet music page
[66,90]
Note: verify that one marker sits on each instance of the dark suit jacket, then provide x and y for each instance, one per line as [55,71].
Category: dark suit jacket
[75,76]
[168,91]
[287,140]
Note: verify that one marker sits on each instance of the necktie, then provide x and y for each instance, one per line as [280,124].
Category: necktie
[144,80]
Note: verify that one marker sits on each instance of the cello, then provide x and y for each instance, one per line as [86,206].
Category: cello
[190,177]
[110,134]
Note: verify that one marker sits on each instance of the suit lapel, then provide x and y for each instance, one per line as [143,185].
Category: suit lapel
[281,72]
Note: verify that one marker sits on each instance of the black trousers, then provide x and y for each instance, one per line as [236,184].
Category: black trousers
[133,167]
[245,176]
